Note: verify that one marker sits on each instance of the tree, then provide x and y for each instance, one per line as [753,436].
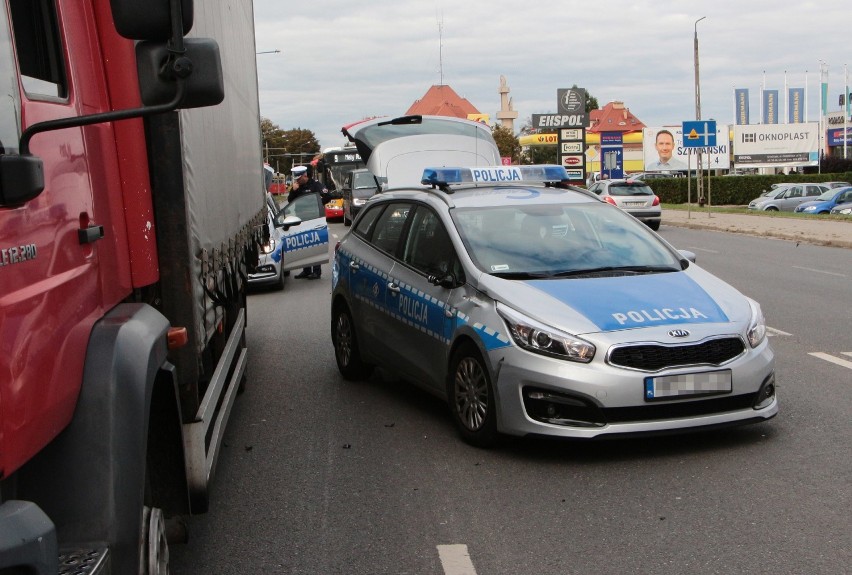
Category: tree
[284,148]
[507,143]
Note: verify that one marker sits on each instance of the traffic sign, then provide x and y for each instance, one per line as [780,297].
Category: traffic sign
[699,134]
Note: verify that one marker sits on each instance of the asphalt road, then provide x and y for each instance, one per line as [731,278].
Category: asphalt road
[323,477]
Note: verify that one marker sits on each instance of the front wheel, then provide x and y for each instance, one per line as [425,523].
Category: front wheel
[771,209]
[346,351]
[471,396]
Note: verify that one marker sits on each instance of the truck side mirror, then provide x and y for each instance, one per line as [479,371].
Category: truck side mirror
[199,68]
[150,20]
[21,179]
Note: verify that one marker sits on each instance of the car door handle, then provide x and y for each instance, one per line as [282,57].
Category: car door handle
[393,287]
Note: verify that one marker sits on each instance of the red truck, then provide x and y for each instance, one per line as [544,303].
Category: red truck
[131,206]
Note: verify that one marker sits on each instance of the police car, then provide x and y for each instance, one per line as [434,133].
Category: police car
[538,310]
[297,237]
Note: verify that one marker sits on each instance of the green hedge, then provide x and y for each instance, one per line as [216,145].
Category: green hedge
[733,190]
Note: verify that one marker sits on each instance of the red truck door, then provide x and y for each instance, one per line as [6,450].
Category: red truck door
[51,247]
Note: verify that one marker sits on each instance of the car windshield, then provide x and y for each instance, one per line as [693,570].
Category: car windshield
[629,189]
[560,241]
[826,196]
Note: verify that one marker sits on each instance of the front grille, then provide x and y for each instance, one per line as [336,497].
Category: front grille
[653,357]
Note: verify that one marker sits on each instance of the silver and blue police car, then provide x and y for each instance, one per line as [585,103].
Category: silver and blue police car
[536,309]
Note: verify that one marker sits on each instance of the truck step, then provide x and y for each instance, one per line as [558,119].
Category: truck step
[83,561]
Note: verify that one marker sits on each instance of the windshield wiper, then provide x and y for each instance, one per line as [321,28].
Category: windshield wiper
[522,275]
[632,270]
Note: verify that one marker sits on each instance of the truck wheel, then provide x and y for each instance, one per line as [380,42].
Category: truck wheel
[154,550]
[345,342]
[471,397]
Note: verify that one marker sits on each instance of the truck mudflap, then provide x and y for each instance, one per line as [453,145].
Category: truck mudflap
[27,539]
[203,436]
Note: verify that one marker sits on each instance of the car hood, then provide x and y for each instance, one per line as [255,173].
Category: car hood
[596,305]
[804,205]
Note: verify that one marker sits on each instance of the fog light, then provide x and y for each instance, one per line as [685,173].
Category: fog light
[766,394]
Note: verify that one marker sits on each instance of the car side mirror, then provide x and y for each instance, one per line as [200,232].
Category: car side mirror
[447,281]
[688,257]
[287,222]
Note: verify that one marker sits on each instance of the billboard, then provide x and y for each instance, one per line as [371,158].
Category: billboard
[663,150]
[776,145]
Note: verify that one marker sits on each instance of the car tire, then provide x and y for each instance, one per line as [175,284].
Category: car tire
[771,209]
[279,284]
[470,394]
[654,225]
[345,341]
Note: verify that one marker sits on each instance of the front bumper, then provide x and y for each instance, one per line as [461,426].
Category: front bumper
[600,400]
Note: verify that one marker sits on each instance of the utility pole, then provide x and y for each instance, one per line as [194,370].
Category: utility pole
[700,186]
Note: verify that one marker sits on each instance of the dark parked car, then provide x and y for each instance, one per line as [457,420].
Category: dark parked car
[358,187]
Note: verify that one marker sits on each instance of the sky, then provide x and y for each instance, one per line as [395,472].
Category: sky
[339,62]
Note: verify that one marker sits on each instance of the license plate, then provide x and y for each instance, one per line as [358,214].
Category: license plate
[634,204]
[688,385]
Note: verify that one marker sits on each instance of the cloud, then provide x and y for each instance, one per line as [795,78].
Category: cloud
[340,62]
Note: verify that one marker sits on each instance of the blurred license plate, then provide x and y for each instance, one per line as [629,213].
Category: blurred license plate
[687,385]
[634,204]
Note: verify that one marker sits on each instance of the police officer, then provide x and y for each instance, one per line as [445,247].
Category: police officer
[303,184]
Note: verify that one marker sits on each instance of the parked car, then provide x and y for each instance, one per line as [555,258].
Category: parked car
[396,150]
[358,187]
[334,207]
[837,184]
[827,201]
[645,176]
[535,310]
[785,198]
[844,209]
[634,197]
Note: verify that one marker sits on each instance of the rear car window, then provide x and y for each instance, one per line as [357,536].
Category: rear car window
[630,189]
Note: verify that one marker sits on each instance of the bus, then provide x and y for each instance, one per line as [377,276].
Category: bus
[334,164]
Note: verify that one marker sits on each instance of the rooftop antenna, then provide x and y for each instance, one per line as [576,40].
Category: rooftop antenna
[441,49]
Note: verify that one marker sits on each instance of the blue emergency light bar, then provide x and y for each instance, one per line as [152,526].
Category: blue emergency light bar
[494,175]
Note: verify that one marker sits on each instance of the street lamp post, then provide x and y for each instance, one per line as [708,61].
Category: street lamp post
[699,187]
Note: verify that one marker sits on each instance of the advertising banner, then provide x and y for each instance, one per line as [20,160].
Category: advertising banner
[796,106]
[663,150]
[612,153]
[770,106]
[834,136]
[779,145]
[741,103]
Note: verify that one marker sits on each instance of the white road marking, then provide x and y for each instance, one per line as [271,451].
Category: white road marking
[849,353]
[772,331]
[456,560]
[819,271]
[692,249]
[831,359]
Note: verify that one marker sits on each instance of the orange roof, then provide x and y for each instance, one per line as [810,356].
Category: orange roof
[614,117]
[442,101]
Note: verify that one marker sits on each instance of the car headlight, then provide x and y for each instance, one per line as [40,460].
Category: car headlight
[757,325]
[358,201]
[268,247]
[810,209]
[846,211]
[539,338]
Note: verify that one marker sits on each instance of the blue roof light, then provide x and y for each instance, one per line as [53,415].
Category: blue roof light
[494,174]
